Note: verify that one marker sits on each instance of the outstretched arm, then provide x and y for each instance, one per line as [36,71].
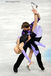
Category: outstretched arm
[36,19]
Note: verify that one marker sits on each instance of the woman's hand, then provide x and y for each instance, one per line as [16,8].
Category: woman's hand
[34,11]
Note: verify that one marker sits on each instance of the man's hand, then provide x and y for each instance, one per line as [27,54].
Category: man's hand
[28,38]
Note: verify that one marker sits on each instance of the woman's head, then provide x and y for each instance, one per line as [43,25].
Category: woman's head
[25,26]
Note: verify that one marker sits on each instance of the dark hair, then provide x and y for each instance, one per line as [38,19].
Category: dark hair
[25,25]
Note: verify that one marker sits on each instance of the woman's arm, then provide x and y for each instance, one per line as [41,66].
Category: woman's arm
[36,19]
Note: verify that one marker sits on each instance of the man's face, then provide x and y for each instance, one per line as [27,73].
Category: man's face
[26,28]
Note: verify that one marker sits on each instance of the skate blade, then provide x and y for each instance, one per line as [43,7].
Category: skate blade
[28,68]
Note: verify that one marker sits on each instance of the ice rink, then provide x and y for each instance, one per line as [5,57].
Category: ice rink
[12,14]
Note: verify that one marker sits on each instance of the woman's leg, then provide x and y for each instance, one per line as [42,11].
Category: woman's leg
[30,53]
[30,56]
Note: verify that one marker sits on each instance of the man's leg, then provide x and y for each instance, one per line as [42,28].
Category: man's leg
[39,61]
[18,62]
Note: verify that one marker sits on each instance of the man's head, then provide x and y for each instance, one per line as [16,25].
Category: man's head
[25,26]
